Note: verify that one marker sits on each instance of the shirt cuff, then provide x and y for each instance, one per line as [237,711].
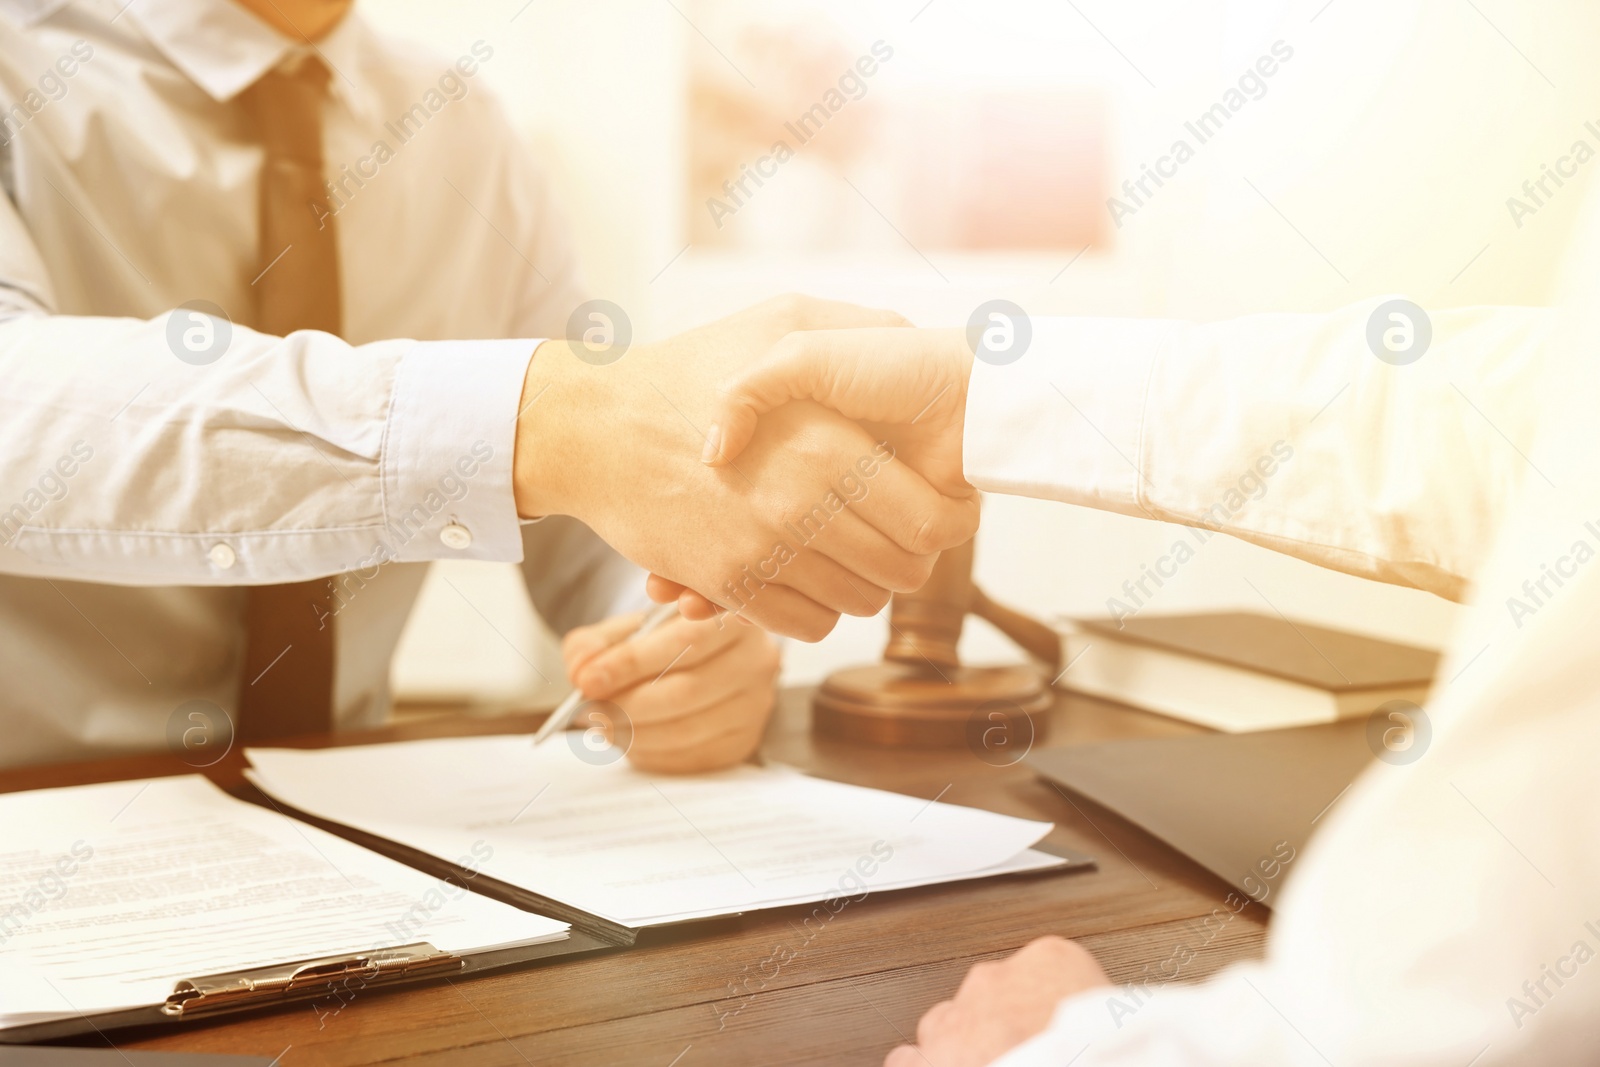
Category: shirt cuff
[1065,420]
[447,491]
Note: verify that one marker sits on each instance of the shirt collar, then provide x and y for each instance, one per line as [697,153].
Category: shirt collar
[224,49]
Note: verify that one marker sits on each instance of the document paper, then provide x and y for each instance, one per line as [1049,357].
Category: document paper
[112,894]
[641,849]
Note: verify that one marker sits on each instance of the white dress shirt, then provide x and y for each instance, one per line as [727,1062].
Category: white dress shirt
[130,189]
[1447,911]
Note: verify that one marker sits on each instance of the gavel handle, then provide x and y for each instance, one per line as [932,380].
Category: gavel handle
[1037,639]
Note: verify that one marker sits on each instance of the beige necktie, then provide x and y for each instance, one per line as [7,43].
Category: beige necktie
[287,687]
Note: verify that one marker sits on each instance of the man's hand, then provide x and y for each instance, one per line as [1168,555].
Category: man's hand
[1001,1004]
[815,517]
[697,694]
[905,385]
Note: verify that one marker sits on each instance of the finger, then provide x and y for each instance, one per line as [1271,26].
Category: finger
[693,606]
[876,374]
[981,975]
[905,1056]
[583,643]
[724,751]
[913,514]
[826,582]
[715,738]
[661,590]
[864,551]
[752,660]
[793,370]
[781,610]
[933,1020]
[741,707]
[678,644]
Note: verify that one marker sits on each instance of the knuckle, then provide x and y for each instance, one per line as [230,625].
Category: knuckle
[1052,944]
[982,976]
[925,535]
[1060,948]
[914,573]
[796,514]
[791,308]
[932,1021]
[789,346]
[574,642]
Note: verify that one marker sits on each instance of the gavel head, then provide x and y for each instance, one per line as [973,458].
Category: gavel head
[925,626]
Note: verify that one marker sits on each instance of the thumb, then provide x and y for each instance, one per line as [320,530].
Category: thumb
[821,365]
[796,368]
[888,374]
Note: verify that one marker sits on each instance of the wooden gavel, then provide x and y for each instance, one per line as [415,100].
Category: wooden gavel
[925,626]
[921,695]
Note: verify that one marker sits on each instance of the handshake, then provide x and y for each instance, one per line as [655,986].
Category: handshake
[794,462]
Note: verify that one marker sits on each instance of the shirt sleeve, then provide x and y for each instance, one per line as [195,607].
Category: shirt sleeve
[1284,430]
[186,450]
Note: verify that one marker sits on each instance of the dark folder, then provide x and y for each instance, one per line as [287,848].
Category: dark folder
[1241,805]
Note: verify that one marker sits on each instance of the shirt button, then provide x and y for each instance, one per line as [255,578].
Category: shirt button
[456,536]
[221,556]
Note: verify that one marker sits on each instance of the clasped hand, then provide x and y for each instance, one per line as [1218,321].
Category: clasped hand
[815,516]
[905,386]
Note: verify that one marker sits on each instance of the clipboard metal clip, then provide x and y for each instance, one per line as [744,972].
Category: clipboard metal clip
[263,986]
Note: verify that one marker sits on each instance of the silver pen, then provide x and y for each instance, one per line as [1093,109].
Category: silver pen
[567,710]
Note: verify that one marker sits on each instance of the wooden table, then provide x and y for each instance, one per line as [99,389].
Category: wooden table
[848,991]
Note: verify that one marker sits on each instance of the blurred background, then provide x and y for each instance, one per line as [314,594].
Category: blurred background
[928,155]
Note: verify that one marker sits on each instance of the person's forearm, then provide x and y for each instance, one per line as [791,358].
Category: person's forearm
[1283,430]
[185,451]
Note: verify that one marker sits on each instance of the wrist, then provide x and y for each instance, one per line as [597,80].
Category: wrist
[545,434]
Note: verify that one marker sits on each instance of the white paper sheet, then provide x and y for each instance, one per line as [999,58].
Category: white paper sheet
[639,849]
[111,894]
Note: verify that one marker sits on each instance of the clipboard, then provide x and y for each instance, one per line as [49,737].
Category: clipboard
[337,979]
